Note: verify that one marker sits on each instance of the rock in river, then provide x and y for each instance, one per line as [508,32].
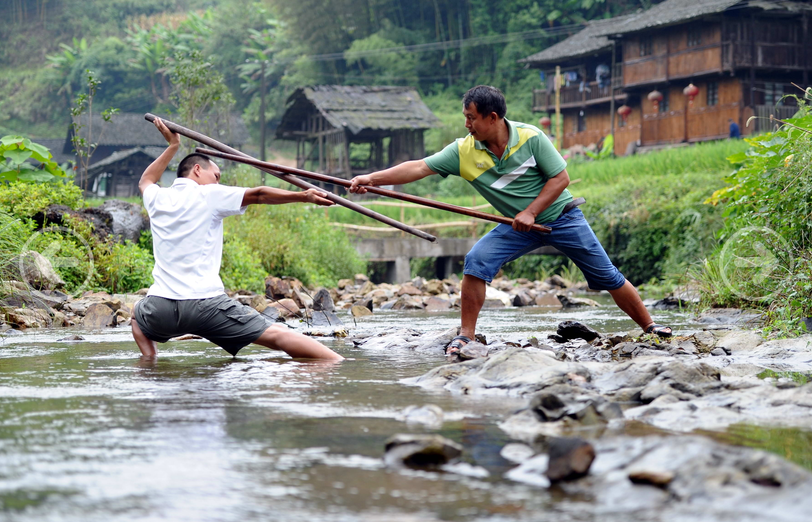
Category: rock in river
[420,451]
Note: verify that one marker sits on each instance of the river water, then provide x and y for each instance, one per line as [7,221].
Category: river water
[89,432]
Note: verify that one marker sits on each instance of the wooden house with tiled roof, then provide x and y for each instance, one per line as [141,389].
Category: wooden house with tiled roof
[741,56]
[326,120]
[127,144]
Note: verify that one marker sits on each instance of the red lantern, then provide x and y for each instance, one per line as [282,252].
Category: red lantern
[624,111]
[691,91]
[545,122]
[655,97]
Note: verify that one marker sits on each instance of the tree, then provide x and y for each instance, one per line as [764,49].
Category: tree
[82,139]
[199,92]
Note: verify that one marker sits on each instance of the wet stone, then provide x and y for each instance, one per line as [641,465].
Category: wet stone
[416,451]
[429,415]
[71,338]
[322,301]
[575,330]
[719,352]
[360,311]
[473,350]
[576,302]
[570,458]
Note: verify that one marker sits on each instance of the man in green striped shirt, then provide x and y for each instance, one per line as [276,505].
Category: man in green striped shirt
[517,170]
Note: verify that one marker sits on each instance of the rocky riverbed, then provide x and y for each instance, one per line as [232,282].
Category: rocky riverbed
[614,417]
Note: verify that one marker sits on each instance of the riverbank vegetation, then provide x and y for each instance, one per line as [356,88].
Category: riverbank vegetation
[765,259]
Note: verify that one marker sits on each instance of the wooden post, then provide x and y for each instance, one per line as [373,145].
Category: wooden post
[262,118]
[753,62]
[805,58]
[559,127]
[612,92]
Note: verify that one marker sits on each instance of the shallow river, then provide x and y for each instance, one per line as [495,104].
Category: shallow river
[88,432]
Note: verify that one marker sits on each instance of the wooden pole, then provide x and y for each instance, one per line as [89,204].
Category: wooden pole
[262,118]
[293,180]
[271,167]
[559,128]
[612,92]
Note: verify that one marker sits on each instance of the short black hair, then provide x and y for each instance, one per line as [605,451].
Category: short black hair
[188,163]
[487,99]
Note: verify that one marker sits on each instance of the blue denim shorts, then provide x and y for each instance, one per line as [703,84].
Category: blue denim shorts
[571,234]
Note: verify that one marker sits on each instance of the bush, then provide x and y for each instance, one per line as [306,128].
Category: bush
[766,258]
[122,268]
[293,240]
[241,268]
[23,200]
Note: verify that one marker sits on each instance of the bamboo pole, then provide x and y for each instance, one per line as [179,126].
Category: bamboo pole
[559,128]
[293,180]
[375,190]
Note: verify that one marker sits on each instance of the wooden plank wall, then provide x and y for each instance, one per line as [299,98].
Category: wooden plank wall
[598,125]
[684,61]
[671,57]
[640,69]
[704,122]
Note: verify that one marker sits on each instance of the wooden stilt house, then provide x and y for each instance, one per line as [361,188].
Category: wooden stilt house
[345,131]
[685,69]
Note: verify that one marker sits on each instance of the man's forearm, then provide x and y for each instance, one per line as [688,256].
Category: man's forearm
[552,189]
[401,174]
[156,169]
[274,196]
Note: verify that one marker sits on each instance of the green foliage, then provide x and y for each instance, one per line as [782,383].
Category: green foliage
[199,92]
[15,153]
[293,240]
[13,235]
[83,135]
[122,268]
[241,267]
[766,258]
[395,68]
[23,200]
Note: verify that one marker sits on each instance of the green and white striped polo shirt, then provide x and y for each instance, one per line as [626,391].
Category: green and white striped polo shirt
[511,183]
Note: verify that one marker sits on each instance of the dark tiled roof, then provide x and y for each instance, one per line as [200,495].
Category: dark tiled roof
[360,108]
[132,130]
[151,152]
[590,40]
[679,11]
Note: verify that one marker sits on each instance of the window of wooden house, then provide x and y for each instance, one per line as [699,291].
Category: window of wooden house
[694,36]
[581,121]
[664,103]
[713,93]
[646,47]
[773,92]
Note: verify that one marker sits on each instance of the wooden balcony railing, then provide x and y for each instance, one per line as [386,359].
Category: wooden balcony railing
[767,55]
[575,96]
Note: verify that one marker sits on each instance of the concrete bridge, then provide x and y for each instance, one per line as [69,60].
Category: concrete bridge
[396,253]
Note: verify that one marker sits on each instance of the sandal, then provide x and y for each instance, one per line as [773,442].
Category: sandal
[456,344]
[660,330]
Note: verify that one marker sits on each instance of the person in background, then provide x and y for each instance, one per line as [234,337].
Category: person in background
[735,132]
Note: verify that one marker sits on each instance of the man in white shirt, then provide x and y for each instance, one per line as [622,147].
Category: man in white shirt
[187,236]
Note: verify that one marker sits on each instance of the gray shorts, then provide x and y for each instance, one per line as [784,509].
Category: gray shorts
[222,320]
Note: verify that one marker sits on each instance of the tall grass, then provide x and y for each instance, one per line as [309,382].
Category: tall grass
[698,158]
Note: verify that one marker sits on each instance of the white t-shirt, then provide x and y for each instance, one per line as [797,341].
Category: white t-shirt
[187,236]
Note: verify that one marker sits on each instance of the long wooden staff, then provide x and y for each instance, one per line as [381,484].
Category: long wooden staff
[264,165]
[293,180]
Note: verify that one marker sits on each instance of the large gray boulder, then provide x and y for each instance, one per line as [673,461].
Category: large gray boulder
[36,270]
[127,220]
